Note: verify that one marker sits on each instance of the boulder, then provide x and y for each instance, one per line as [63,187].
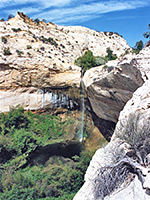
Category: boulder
[110,87]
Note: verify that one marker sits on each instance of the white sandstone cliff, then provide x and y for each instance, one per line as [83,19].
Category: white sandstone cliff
[42,56]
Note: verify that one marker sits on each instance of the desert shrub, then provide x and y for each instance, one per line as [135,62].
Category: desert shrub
[138,47]
[100,60]
[10,16]
[48,40]
[110,55]
[37,21]
[147,34]
[16,29]
[6,51]
[62,45]
[19,53]
[86,61]
[29,47]
[4,40]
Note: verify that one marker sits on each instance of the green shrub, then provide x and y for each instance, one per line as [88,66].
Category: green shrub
[16,29]
[6,51]
[15,119]
[29,47]
[19,53]
[49,40]
[110,55]
[138,47]
[4,40]
[86,61]
[100,60]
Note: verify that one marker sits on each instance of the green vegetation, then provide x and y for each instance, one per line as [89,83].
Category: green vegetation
[6,51]
[4,40]
[37,21]
[110,55]
[147,34]
[138,47]
[20,53]
[88,60]
[48,40]
[16,29]
[29,47]
[10,16]
[21,133]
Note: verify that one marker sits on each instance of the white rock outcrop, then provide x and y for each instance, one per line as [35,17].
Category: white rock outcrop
[42,55]
[110,87]
[121,170]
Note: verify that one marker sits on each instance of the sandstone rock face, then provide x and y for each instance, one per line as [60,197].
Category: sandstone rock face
[42,55]
[110,88]
[121,170]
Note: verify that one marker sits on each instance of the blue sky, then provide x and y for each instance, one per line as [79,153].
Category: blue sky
[130,18]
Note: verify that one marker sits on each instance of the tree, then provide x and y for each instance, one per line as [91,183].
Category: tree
[37,21]
[147,34]
[86,61]
[138,47]
[110,55]
[10,16]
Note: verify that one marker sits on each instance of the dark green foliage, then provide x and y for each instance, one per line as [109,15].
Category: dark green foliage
[20,53]
[29,47]
[138,47]
[86,61]
[15,119]
[16,29]
[37,21]
[4,40]
[100,60]
[110,55]
[58,178]
[6,51]
[147,34]
[48,40]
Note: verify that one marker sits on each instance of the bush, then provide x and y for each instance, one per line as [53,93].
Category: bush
[100,60]
[147,34]
[29,47]
[19,53]
[86,61]
[48,40]
[138,47]
[4,40]
[110,55]
[16,29]
[15,119]
[6,51]
[10,16]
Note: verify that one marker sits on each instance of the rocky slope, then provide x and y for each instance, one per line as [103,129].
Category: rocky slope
[38,56]
[110,87]
[121,170]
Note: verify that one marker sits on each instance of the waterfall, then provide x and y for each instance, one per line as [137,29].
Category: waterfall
[81,124]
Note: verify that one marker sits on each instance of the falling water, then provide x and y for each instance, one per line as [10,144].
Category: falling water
[81,127]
